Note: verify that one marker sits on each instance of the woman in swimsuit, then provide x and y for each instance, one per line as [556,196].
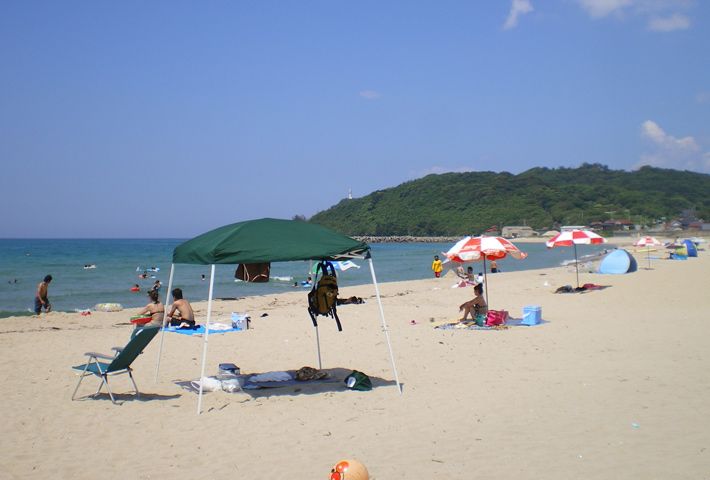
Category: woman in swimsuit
[155,309]
[477,307]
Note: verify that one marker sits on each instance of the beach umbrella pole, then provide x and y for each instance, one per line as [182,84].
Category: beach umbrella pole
[576,263]
[320,365]
[485,281]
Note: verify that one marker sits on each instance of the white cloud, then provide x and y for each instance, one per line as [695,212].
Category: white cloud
[439,170]
[671,152]
[517,8]
[676,21]
[663,15]
[370,95]
[602,8]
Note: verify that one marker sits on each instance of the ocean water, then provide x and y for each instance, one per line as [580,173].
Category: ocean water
[24,263]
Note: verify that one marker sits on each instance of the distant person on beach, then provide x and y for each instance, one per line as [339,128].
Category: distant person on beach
[41,299]
[479,278]
[468,276]
[155,309]
[494,267]
[203,278]
[476,308]
[181,311]
[436,266]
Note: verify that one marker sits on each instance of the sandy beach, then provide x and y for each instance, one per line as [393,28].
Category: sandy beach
[613,384]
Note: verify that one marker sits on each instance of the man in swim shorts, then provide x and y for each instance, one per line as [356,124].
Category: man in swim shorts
[41,299]
[181,311]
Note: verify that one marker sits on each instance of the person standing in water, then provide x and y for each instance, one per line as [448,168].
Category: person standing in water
[41,298]
[436,266]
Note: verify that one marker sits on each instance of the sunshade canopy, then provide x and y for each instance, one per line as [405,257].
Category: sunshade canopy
[268,240]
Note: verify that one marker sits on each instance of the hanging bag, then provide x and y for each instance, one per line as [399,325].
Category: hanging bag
[323,297]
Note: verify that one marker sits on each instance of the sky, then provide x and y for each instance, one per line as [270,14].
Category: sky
[148,119]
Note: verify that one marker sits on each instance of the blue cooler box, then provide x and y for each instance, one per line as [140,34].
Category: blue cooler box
[532,315]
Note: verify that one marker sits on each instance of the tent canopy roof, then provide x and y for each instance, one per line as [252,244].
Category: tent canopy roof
[268,240]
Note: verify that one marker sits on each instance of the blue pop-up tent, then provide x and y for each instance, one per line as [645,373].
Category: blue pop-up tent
[690,248]
[618,262]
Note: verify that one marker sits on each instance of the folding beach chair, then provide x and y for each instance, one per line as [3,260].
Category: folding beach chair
[119,363]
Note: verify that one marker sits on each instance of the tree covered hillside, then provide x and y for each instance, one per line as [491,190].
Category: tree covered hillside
[455,204]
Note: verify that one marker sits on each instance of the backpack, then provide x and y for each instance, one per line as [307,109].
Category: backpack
[323,297]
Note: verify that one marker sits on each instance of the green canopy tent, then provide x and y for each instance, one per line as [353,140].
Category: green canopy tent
[264,241]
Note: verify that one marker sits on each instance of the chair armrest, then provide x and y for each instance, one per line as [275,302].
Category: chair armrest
[99,355]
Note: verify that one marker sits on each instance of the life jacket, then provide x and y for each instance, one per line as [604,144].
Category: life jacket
[323,297]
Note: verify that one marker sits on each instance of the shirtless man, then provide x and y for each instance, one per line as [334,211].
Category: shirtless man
[41,299]
[184,310]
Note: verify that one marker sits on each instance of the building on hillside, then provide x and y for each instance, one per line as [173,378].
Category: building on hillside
[618,224]
[517,232]
[567,228]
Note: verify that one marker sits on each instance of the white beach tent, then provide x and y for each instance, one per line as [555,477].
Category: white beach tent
[264,241]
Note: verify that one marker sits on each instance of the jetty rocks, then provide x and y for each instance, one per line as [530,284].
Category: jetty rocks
[406,239]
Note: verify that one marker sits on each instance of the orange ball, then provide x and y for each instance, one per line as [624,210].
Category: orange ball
[349,469]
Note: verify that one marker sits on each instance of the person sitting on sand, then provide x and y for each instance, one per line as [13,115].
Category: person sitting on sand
[477,307]
[155,309]
[468,276]
[185,315]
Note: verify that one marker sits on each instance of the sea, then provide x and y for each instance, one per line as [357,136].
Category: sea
[117,263]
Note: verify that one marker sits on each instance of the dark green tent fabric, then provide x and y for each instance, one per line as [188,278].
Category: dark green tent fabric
[267,240]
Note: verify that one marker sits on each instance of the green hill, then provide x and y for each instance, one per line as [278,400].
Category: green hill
[455,204]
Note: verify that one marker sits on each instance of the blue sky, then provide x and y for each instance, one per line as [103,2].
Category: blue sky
[168,119]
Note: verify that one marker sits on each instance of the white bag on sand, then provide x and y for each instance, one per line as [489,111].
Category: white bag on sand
[232,385]
[209,384]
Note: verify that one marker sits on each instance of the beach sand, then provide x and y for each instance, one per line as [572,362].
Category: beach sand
[613,384]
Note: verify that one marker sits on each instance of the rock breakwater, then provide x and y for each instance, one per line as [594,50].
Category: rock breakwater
[407,239]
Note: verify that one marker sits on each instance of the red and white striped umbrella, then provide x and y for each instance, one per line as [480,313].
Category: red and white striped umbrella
[472,249]
[575,237]
[648,242]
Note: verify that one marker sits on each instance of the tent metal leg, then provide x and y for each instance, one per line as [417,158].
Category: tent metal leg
[384,325]
[207,334]
[162,332]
